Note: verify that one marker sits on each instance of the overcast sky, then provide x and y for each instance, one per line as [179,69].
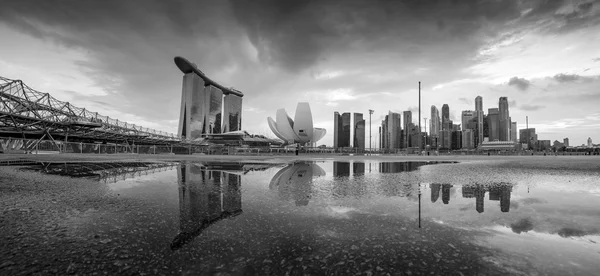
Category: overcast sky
[116,57]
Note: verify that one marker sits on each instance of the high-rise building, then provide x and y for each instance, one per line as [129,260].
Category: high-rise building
[359,131]
[337,129]
[232,113]
[393,128]
[446,117]
[407,126]
[479,119]
[434,122]
[528,137]
[383,137]
[493,124]
[456,143]
[346,127]
[503,120]
[466,117]
[513,131]
[589,142]
[445,139]
[467,139]
[566,142]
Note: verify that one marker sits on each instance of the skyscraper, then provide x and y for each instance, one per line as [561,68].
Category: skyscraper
[337,129]
[493,124]
[528,136]
[513,132]
[479,116]
[503,120]
[359,131]
[467,139]
[466,117]
[566,142]
[434,126]
[446,117]
[407,126]
[589,142]
[346,126]
[393,128]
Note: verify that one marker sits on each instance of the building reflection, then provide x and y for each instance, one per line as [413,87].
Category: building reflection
[341,169]
[358,168]
[208,193]
[497,192]
[294,182]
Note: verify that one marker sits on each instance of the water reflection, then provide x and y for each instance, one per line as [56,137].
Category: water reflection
[106,172]
[295,182]
[208,193]
[497,192]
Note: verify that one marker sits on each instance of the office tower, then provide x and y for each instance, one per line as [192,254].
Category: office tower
[589,142]
[337,129]
[380,137]
[478,103]
[513,131]
[434,126]
[346,126]
[435,191]
[480,121]
[455,127]
[486,128]
[407,127]
[566,142]
[493,124]
[468,139]
[529,138]
[456,142]
[359,131]
[445,139]
[503,120]
[394,130]
[466,117]
[383,133]
[446,117]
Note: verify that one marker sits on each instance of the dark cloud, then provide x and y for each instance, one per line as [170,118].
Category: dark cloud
[523,225]
[531,107]
[566,77]
[571,232]
[596,59]
[297,34]
[520,83]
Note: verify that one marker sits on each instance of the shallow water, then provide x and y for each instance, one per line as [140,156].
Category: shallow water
[329,217]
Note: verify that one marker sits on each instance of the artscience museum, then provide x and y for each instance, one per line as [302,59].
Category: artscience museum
[299,130]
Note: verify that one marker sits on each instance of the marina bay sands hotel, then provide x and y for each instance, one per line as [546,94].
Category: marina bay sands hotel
[206,106]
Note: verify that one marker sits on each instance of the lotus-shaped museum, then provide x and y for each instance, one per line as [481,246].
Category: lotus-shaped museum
[300,130]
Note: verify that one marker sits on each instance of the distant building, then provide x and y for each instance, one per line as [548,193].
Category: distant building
[466,117]
[359,131]
[456,140]
[337,129]
[503,120]
[589,142]
[346,126]
[527,136]
[467,139]
[391,131]
[408,127]
[498,146]
[446,125]
[434,122]
[566,142]
[493,124]
[479,119]
[445,139]
[544,145]
[513,131]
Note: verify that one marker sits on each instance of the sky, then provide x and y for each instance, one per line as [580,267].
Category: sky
[116,58]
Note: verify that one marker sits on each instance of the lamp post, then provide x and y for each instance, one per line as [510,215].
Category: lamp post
[370,113]
[419,114]
[425,119]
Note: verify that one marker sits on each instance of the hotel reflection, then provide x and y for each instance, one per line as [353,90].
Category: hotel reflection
[205,197]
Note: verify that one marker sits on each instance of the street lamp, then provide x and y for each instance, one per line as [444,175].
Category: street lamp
[370,113]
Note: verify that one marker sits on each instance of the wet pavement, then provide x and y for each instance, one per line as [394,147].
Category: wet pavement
[303,218]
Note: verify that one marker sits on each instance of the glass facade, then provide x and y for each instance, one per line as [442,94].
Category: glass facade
[359,131]
[232,112]
[215,101]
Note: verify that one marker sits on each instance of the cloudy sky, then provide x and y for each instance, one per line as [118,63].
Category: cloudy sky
[116,57]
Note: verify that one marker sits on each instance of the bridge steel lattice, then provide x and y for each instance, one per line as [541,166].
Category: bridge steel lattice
[26,113]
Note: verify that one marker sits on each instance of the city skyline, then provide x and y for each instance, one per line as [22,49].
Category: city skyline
[115,59]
